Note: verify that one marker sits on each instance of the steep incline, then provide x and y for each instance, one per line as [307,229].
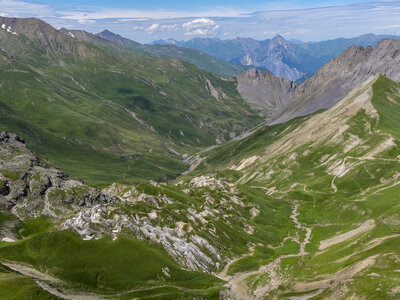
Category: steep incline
[264,90]
[327,87]
[340,170]
[341,75]
[117,44]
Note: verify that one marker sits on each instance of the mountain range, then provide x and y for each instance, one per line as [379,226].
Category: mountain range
[284,100]
[117,44]
[130,174]
[296,61]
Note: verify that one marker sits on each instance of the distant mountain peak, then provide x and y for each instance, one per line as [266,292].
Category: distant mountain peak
[108,34]
[106,31]
[116,38]
[278,37]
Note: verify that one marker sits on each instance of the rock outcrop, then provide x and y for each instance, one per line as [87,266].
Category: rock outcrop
[29,187]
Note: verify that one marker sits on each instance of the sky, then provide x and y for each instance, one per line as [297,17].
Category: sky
[148,20]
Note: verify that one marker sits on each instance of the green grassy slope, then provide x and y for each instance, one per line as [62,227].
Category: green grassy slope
[17,287]
[72,102]
[103,264]
[387,102]
[341,174]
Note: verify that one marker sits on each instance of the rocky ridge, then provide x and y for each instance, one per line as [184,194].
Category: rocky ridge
[29,187]
[326,88]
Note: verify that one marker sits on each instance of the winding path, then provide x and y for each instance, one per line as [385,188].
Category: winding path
[237,283]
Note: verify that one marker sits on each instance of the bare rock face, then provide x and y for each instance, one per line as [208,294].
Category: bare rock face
[327,87]
[264,90]
[337,78]
[30,188]
[269,55]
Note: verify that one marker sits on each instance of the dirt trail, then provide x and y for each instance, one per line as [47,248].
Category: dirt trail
[224,273]
[367,225]
[332,281]
[66,294]
[237,283]
[30,272]
[333,185]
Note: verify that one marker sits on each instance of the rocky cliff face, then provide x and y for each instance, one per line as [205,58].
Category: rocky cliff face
[29,187]
[271,55]
[264,90]
[327,87]
[341,75]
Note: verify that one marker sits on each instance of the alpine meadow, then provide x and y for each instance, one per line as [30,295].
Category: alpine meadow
[173,151]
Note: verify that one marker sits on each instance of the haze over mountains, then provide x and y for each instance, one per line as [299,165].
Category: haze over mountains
[295,61]
[121,45]
[201,181]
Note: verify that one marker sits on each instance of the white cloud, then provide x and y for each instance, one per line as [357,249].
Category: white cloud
[290,18]
[132,19]
[200,26]
[196,23]
[97,13]
[153,27]
[156,27]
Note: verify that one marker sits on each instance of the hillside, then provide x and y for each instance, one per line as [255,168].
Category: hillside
[339,171]
[35,198]
[127,118]
[126,174]
[337,78]
[305,208]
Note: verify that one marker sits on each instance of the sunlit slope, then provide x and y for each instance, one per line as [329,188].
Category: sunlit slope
[341,168]
[106,117]
[305,208]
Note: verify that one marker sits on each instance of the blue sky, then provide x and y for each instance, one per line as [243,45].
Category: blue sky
[149,20]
